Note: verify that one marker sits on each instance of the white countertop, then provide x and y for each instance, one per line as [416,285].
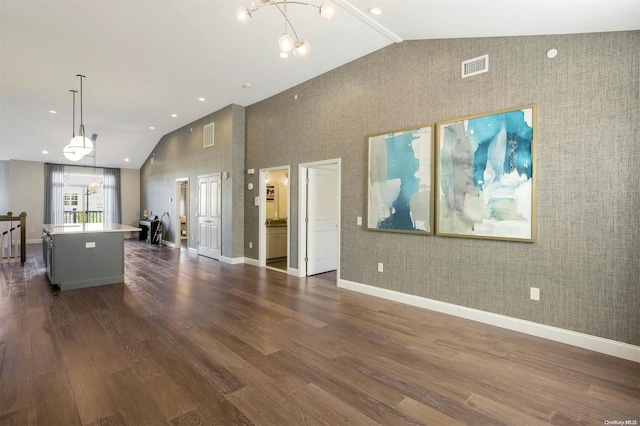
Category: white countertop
[77,228]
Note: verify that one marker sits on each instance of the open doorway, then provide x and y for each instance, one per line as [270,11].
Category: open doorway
[182,214]
[274,218]
[319,218]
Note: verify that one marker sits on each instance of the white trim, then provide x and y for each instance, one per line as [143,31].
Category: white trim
[262,214]
[366,19]
[581,340]
[168,243]
[232,260]
[252,262]
[293,271]
[177,224]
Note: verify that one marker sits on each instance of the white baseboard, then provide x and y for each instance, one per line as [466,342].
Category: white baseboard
[292,271]
[169,243]
[252,262]
[581,340]
[232,260]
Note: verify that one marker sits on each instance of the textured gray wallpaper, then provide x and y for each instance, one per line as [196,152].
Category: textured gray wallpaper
[588,221]
[180,154]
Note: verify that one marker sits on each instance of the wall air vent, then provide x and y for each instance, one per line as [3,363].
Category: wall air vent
[475,66]
[207,135]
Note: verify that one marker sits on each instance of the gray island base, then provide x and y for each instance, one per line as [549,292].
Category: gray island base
[84,255]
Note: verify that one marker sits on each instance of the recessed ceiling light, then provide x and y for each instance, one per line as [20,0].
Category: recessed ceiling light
[45,151]
[174,115]
[201,99]
[126,160]
[53,112]
[247,86]
[152,128]
[375,11]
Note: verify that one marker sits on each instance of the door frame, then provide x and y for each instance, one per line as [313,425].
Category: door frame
[262,215]
[178,227]
[302,211]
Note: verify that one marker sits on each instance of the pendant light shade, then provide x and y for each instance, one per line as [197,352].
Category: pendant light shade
[243,15]
[302,49]
[327,10]
[73,153]
[285,42]
[82,143]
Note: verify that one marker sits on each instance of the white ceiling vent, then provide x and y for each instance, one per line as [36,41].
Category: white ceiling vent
[475,66]
[207,135]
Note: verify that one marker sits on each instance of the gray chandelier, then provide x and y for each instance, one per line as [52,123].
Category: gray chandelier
[287,43]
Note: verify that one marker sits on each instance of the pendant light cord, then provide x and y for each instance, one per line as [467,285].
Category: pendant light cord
[81,130]
[73,120]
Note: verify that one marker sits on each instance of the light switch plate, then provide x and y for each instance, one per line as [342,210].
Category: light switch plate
[91,244]
[534,293]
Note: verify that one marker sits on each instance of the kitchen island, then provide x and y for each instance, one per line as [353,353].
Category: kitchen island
[84,255]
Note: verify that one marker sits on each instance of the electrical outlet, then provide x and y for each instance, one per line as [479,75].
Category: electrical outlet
[250,244]
[359,220]
[380,267]
[534,293]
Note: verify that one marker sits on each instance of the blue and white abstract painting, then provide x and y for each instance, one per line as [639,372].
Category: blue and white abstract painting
[400,179]
[486,176]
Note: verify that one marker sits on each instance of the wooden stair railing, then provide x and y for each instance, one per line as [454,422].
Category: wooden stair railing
[9,227]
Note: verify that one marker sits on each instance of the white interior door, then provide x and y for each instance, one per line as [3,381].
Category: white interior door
[209,207]
[322,220]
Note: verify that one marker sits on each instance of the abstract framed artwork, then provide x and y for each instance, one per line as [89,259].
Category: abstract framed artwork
[400,180]
[486,167]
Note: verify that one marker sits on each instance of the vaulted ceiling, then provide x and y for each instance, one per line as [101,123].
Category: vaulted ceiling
[146,60]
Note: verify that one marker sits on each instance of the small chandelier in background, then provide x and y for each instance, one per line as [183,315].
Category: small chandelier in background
[300,47]
[80,145]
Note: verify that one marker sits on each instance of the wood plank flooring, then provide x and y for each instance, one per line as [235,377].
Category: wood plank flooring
[189,340]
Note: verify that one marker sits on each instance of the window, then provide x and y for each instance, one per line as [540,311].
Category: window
[83,195]
[70,200]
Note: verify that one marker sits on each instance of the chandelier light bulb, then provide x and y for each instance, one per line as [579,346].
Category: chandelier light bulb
[327,10]
[301,49]
[285,42]
[243,15]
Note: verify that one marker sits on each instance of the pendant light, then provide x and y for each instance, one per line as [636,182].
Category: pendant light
[80,145]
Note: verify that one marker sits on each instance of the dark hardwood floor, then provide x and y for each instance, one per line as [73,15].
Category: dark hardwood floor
[189,340]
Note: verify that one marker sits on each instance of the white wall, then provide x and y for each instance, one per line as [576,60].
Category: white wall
[130,193]
[4,187]
[26,194]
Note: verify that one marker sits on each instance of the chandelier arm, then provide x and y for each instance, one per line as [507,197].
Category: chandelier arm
[276,3]
[286,18]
